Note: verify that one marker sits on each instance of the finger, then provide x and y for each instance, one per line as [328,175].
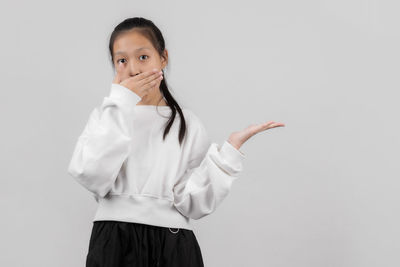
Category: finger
[146,74]
[275,124]
[267,124]
[154,76]
[151,84]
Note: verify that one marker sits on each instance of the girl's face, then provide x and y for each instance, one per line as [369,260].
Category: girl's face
[133,54]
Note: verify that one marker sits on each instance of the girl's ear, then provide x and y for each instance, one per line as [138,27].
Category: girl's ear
[164,59]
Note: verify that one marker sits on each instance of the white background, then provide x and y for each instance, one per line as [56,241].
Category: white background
[321,191]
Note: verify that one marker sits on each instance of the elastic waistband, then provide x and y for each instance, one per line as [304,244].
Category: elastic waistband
[141,209]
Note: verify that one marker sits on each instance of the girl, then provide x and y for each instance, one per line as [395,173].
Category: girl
[149,175]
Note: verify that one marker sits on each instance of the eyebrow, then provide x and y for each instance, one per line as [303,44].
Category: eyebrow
[122,52]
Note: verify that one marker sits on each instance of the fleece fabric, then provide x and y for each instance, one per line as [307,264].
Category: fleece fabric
[136,176]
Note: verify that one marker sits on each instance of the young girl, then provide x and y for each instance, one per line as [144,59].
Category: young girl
[150,169]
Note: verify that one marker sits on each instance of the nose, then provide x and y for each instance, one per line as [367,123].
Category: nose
[133,70]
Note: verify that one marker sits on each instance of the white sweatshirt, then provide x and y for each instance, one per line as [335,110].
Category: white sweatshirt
[135,176]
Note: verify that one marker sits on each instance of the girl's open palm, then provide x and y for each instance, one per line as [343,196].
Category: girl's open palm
[238,138]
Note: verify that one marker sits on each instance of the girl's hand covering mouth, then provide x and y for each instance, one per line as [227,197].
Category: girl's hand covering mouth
[140,83]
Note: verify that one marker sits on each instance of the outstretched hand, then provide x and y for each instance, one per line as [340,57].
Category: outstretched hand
[237,139]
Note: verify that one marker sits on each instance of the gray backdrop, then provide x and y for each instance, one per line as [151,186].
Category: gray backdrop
[322,191]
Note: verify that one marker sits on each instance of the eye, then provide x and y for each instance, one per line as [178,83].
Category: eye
[120,59]
[144,55]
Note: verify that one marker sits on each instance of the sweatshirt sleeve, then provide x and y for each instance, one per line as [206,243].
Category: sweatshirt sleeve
[105,142]
[208,178]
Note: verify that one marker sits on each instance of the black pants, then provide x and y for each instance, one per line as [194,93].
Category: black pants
[123,244]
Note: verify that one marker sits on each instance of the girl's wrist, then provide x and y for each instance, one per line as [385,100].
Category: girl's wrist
[235,144]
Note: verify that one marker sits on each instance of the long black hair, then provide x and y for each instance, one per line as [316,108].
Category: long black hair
[149,30]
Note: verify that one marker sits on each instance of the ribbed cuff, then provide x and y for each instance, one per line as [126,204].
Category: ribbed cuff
[124,95]
[231,154]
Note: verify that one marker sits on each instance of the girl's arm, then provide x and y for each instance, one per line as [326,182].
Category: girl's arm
[210,174]
[208,179]
[105,142]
